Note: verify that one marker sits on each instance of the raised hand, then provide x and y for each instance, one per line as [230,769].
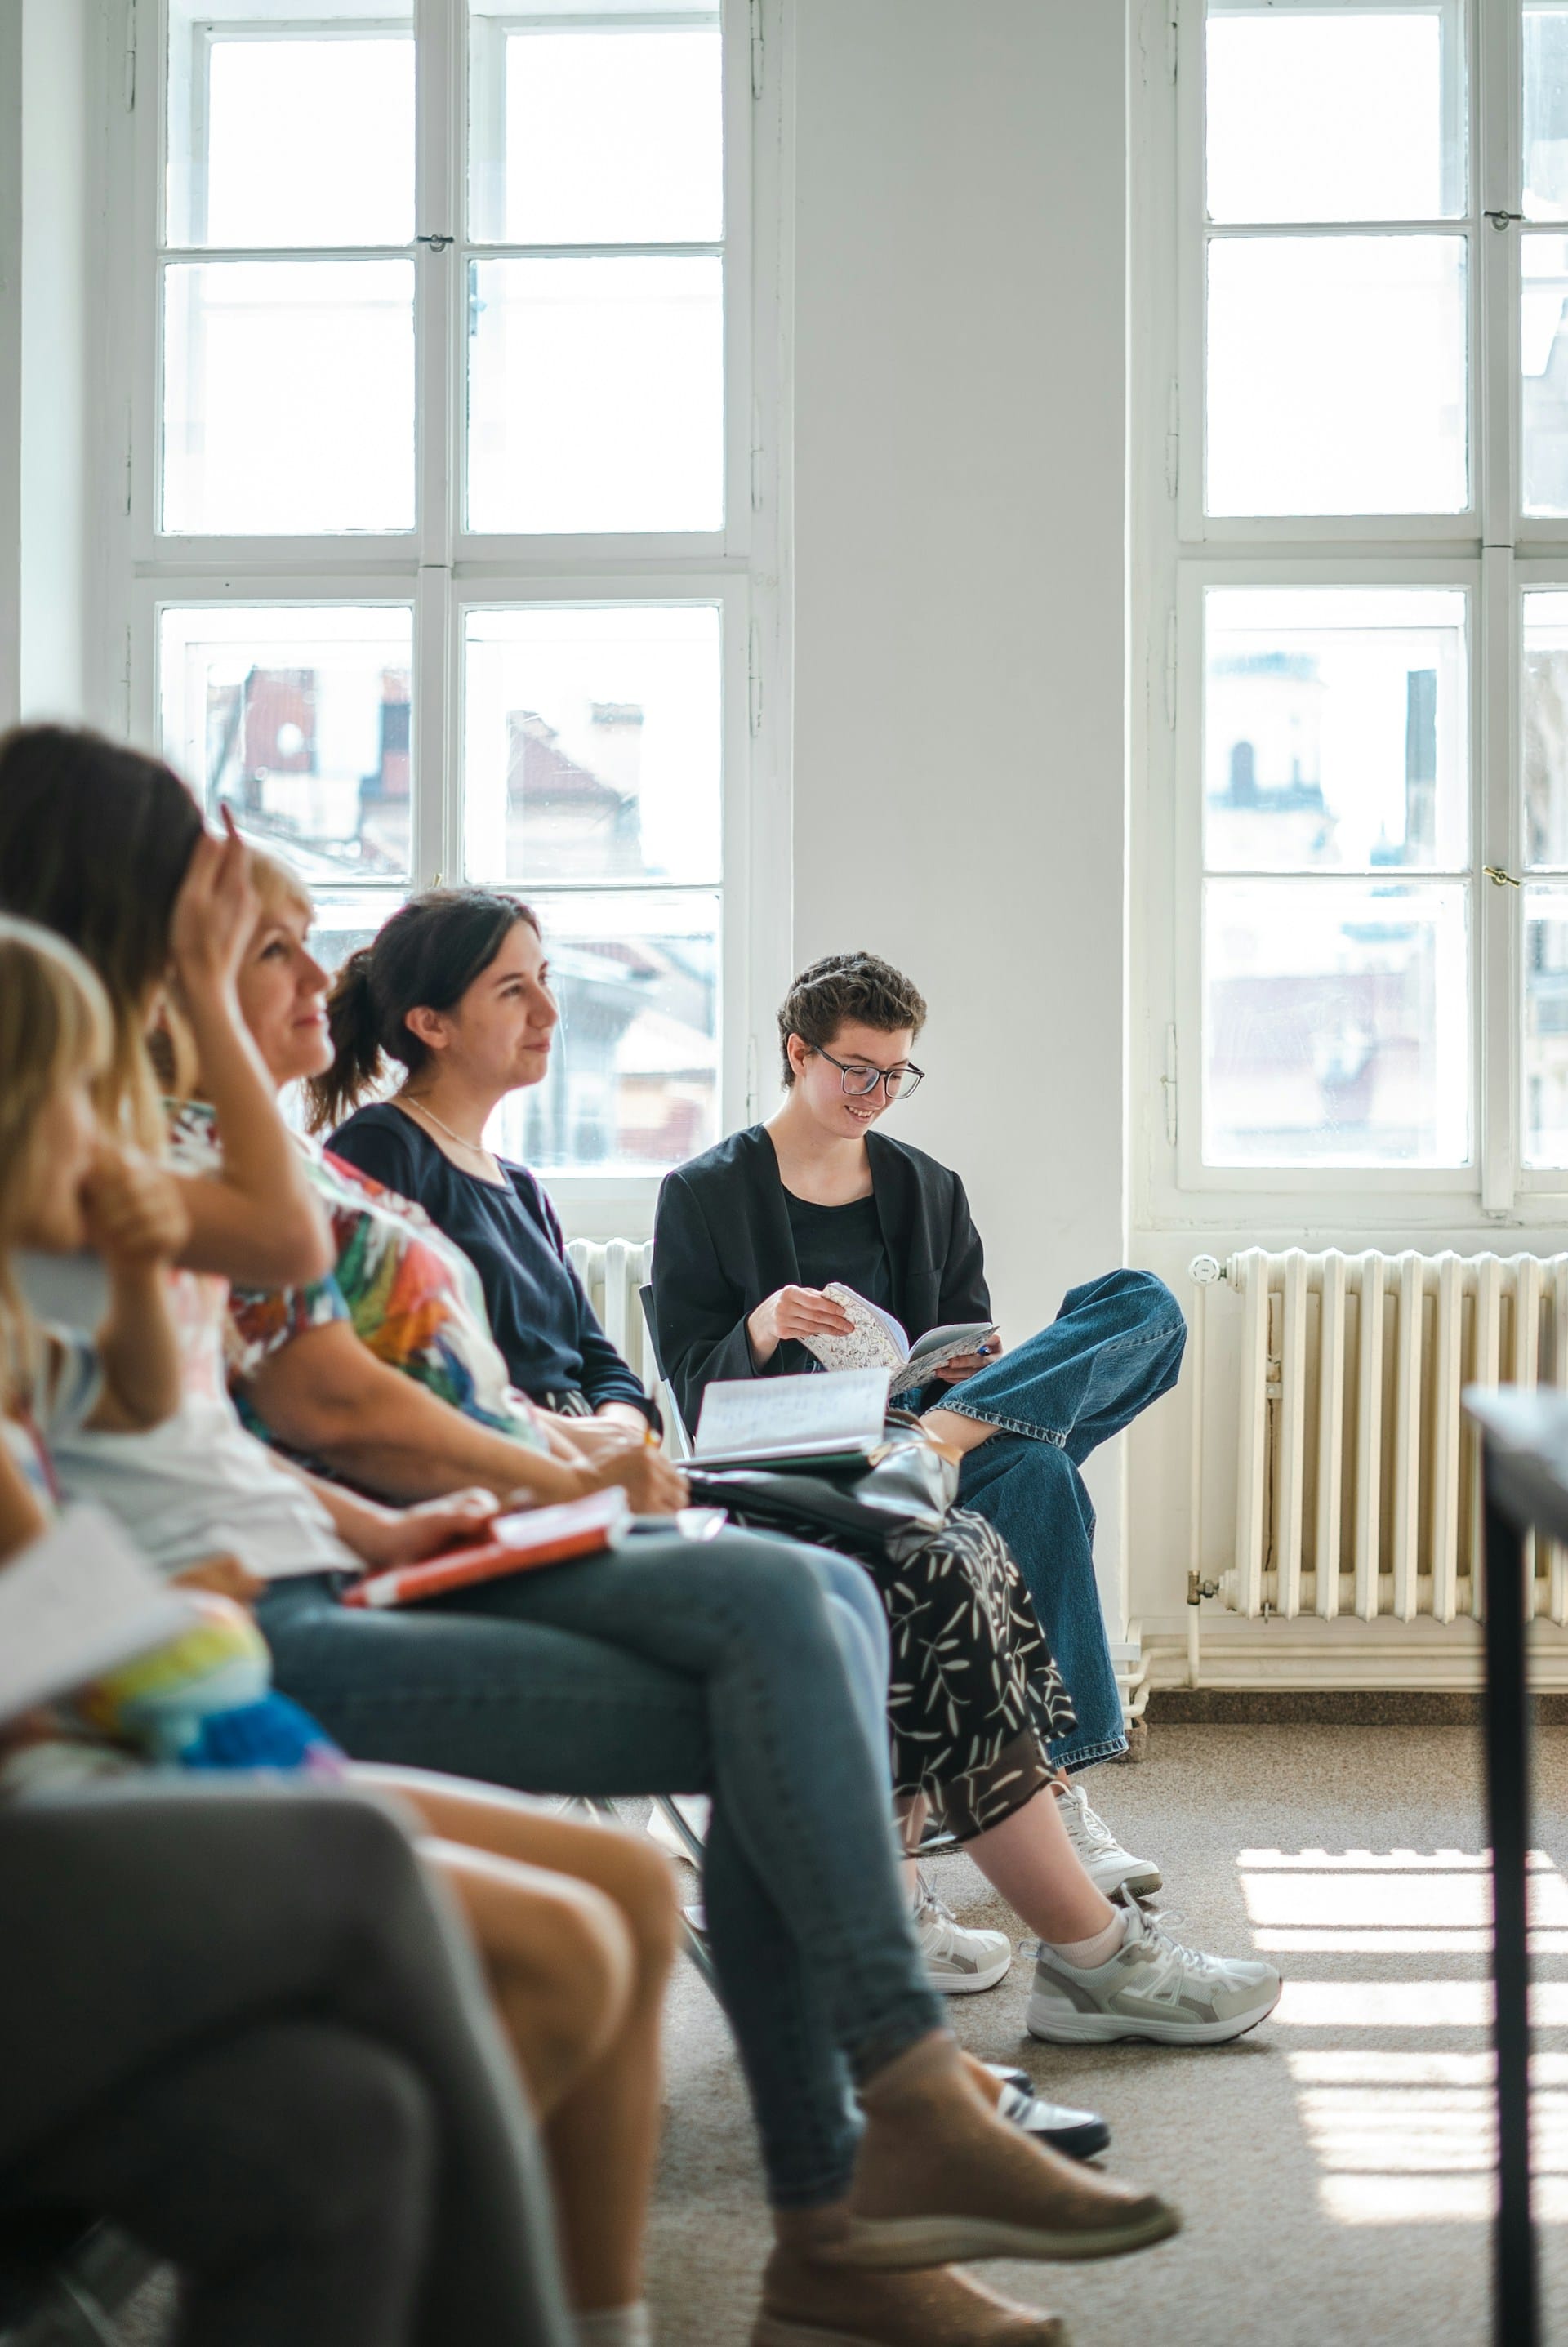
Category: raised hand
[215,914]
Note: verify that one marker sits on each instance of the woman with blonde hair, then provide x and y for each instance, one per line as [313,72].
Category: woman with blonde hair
[576,1924]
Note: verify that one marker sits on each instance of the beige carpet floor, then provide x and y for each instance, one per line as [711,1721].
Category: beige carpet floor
[1332,2168]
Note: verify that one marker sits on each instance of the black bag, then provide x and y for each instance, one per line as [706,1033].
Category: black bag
[874,1511]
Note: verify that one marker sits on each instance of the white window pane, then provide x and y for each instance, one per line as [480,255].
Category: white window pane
[1337,375]
[292,133]
[298,720]
[634,1084]
[595,127]
[1545,716]
[1336,1023]
[1546,1027]
[1335,116]
[288,396]
[592,745]
[1545,114]
[1336,729]
[345,919]
[1543,355]
[596,395]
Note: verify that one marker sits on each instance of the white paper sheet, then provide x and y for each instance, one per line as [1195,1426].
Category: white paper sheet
[76,1603]
[761,1415]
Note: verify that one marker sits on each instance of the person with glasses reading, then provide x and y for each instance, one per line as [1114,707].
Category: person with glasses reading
[748,1239]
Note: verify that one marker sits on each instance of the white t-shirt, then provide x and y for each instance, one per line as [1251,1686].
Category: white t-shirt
[198,1484]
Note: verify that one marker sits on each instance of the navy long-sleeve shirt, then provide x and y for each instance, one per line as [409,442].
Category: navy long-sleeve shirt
[539,1314]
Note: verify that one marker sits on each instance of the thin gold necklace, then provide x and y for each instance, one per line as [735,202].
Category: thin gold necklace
[413,1101]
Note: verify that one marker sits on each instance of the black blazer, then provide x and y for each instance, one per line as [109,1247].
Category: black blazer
[722,1242]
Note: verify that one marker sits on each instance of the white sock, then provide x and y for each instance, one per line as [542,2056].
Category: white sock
[1085,1955]
[617,2326]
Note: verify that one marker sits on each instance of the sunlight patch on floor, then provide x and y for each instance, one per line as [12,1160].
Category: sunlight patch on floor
[1407,2138]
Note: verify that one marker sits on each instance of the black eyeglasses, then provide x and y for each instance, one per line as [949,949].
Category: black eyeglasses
[860,1082]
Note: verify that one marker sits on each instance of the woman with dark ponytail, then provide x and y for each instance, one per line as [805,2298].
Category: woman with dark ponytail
[455,992]
[358,1059]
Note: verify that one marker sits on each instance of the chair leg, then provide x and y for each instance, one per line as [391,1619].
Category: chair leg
[691,1940]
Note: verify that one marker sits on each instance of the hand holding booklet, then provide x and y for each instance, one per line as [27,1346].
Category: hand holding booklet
[879,1342]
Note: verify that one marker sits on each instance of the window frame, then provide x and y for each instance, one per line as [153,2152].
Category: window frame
[442,570]
[1492,551]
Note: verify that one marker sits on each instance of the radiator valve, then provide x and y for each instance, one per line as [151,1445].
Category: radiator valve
[1197,1590]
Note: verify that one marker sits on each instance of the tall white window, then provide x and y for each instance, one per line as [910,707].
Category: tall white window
[1364,551]
[449,477]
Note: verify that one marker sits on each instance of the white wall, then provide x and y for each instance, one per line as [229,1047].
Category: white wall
[10,360]
[959,743]
[47,49]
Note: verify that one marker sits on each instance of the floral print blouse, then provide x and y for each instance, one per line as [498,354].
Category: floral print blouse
[405,1290]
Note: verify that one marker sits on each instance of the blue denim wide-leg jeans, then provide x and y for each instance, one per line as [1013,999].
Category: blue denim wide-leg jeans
[748,1668]
[1114,1347]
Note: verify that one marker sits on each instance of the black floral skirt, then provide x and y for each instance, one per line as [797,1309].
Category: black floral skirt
[975,1695]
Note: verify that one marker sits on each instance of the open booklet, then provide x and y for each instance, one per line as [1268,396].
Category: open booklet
[810,1421]
[75,1602]
[879,1342]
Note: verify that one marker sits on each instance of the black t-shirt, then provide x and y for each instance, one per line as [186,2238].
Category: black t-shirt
[842,1243]
[540,1315]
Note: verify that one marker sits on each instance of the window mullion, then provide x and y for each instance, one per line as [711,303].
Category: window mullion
[1495,179]
[1495,906]
[437,212]
[1495,183]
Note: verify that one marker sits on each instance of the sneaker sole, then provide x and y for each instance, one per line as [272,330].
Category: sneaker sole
[1141,1881]
[970,1983]
[902,2244]
[1107,2029]
[1086,2142]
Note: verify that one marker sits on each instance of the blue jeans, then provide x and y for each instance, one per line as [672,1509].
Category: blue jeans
[1114,1347]
[748,1668]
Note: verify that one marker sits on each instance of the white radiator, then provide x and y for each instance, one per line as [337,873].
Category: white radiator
[1358,1490]
[613,1271]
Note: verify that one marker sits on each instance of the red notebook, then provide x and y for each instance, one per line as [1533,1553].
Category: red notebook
[517,1543]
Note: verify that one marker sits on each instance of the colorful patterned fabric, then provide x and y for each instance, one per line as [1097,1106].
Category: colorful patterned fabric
[205,1701]
[408,1294]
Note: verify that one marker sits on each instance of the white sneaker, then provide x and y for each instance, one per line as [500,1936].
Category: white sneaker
[696,1808]
[1108,1866]
[957,1962]
[1151,1987]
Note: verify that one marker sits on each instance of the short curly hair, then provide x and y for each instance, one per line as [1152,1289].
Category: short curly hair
[858,986]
